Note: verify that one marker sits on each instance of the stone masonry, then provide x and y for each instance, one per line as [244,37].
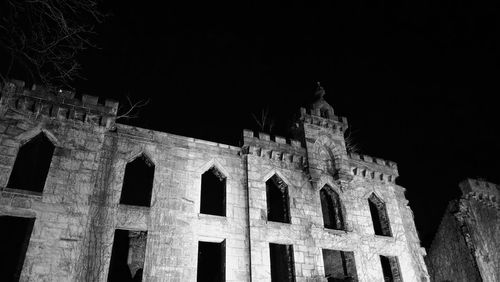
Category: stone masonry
[78,211]
[466,246]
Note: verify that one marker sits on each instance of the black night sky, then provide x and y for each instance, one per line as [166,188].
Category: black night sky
[416,79]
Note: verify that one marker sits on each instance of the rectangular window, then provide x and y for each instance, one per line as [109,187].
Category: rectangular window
[390,268]
[211,261]
[14,240]
[127,256]
[339,266]
[282,264]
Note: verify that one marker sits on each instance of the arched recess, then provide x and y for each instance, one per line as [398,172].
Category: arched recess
[331,208]
[32,164]
[278,206]
[380,219]
[138,182]
[213,192]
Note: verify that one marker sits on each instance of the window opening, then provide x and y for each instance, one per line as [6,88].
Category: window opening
[213,192]
[331,208]
[324,113]
[339,266]
[278,208]
[282,263]
[14,241]
[380,219]
[138,182]
[127,256]
[390,269]
[32,164]
[211,261]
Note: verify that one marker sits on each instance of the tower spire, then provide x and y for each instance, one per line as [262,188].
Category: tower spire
[320,91]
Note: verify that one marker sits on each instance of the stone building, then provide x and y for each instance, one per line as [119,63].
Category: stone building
[84,198]
[466,246]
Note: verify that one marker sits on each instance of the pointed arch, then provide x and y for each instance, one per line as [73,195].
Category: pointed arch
[214,163]
[278,206]
[32,164]
[331,208]
[380,219]
[213,192]
[138,181]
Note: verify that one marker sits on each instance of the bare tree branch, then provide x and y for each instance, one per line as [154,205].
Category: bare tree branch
[41,38]
[132,109]
[264,120]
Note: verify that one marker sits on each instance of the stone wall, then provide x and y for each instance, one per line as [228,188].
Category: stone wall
[465,247]
[79,209]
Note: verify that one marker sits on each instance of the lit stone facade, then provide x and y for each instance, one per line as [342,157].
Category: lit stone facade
[78,210]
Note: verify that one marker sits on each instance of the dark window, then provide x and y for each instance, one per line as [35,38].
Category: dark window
[127,256]
[278,208]
[32,164]
[390,268]
[380,219]
[14,240]
[324,113]
[282,265]
[331,208]
[138,182]
[211,262]
[213,193]
[339,266]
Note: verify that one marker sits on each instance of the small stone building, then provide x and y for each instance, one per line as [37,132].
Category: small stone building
[466,246]
[84,198]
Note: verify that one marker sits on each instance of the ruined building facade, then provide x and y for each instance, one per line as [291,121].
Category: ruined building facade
[466,246]
[84,198]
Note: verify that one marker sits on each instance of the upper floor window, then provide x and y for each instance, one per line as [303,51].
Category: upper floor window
[331,208]
[213,192]
[380,219]
[32,164]
[278,208]
[138,182]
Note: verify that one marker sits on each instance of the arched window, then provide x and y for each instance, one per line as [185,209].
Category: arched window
[278,208]
[324,113]
[380,219]
[32,164]
[138,182]
[213,192]
[331,208]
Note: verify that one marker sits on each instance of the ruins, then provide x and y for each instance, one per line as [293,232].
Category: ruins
[84,198]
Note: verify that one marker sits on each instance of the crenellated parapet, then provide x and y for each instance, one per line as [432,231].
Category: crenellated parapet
[274,147]
[373,168]
[482,191]
[62,104]
[325,119]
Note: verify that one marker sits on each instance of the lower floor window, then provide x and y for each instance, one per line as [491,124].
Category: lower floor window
[339,266]
[282,263]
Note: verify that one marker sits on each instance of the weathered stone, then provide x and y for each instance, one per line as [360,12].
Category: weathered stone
[84,185]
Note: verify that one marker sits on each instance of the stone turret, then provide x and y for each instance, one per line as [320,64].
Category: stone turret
[322,132]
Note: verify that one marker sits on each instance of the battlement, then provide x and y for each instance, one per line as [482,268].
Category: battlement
[60,104]
[480,190]
[327,120]
[373,168]
[274,147]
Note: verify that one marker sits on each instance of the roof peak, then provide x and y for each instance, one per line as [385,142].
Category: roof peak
[320,91]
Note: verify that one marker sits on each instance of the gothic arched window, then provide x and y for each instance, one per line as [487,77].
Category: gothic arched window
[138,182]
[213,192]
[380,219]
[32,164]
[331,208]
[278,208]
